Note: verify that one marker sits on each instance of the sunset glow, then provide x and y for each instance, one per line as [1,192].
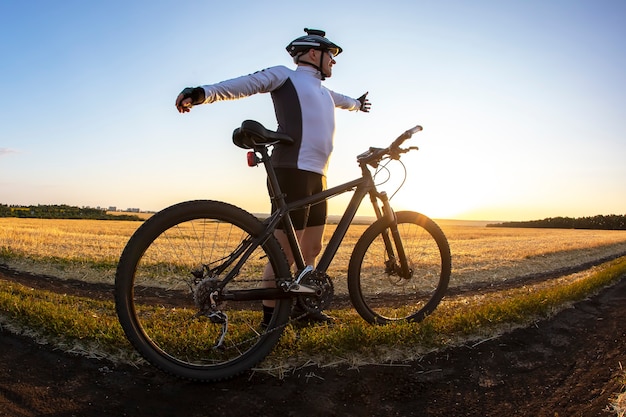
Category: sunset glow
[522,103]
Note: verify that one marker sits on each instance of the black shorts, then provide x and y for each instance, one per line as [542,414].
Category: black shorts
[297,184]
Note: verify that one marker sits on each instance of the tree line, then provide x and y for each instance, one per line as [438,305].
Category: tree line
[61,212]
[600,222]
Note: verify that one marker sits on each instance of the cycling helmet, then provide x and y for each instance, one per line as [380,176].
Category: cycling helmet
[314,39]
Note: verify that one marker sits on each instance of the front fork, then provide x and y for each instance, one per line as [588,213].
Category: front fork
[397,262]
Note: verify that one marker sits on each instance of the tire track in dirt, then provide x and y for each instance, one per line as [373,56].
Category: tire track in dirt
[568,366]
[105,291]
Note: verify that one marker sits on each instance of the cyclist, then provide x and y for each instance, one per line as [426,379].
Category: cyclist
[305,111]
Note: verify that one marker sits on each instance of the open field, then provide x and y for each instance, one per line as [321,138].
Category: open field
[568,365]
[491,375]
[90,249]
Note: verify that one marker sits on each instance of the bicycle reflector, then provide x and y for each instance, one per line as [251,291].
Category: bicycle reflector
[252,159]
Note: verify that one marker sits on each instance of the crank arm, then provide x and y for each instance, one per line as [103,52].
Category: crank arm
[302,289]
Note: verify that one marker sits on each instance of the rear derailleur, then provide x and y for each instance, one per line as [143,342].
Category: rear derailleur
[205,297]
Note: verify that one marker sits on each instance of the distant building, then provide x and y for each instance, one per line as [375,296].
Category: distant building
[112,208]
[133,210]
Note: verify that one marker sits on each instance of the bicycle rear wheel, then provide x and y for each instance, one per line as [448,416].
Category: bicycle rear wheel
[165,268]
[378,292]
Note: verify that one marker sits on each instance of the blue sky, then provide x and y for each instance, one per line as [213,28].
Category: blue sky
[523,103]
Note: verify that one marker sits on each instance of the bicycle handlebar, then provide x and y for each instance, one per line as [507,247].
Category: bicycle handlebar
[406,135]
[373,155]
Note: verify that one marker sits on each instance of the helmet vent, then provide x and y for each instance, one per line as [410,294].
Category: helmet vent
[312,32]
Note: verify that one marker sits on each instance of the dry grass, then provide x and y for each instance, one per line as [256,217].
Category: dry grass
[90,327]
[83,249]
[618,406]
[142,215]
[90,249]
[490,255]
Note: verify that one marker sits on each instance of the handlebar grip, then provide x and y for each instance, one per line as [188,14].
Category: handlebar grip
[414,130]
[406,135]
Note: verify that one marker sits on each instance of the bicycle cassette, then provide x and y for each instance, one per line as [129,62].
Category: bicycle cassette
[205,294]
[316,302]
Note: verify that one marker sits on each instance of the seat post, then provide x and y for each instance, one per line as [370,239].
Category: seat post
[274,188]
[277,196]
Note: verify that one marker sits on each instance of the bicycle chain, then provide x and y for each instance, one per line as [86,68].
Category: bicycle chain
[205,287]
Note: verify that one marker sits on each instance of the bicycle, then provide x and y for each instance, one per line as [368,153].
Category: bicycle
[188,286]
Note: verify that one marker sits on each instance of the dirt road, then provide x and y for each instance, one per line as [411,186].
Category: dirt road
[566,366]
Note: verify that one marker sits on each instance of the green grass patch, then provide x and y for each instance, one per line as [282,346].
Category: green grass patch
[63,320]
[70,320]
[451,321]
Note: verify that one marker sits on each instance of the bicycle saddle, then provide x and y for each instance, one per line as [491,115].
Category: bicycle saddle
[252,134]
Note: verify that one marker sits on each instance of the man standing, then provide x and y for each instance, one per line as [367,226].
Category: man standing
[304,111]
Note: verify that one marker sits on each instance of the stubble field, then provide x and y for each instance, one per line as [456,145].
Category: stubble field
[481,256]
[569,365]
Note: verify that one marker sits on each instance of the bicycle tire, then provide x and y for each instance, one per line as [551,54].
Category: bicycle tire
[381,296]
[154,291]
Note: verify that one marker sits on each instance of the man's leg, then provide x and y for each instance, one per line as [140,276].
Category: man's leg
[268,273]
[311,243]
[310,240]
[311,246]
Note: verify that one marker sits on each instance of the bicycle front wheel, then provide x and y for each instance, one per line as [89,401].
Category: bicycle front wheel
[177,257]
[378,291]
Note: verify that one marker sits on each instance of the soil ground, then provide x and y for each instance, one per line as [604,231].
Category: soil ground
[569,365]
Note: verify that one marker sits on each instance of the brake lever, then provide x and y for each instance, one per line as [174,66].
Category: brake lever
[396,152]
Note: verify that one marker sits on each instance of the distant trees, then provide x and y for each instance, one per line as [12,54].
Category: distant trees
[600,222]
[61,212]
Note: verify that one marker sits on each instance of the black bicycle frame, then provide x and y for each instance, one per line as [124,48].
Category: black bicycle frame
[361,186]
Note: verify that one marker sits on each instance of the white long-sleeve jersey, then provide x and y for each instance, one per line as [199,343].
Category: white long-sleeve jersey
[305,110]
